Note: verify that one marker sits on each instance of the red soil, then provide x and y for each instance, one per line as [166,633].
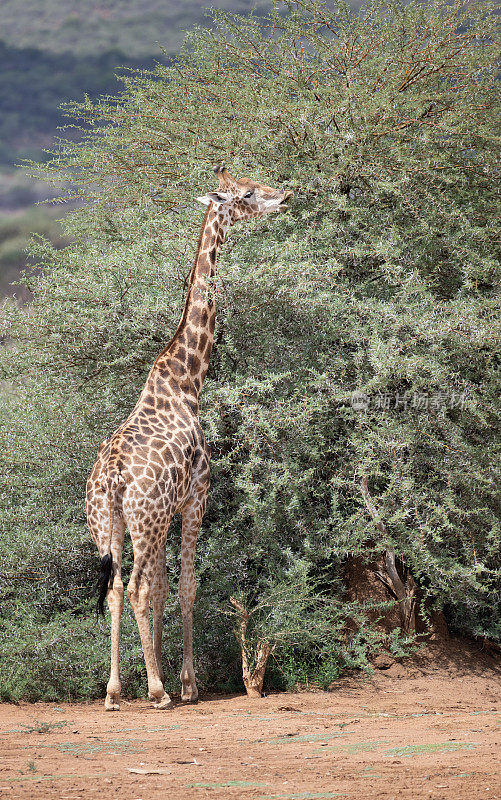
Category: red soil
[426,730]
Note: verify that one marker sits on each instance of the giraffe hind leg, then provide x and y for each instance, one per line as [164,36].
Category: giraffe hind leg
[192,520]
[115,600]
[159,594]
[110,587]
[139,591]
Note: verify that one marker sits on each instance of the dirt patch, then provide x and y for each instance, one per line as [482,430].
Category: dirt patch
[432,736]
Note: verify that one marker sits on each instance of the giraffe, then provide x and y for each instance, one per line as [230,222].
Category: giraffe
[156,463]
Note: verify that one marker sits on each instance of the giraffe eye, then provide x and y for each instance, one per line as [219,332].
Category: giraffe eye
[249,194]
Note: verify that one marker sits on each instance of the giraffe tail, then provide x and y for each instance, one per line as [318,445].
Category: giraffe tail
[103,582]
[106,570]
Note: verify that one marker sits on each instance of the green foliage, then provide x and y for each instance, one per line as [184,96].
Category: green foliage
[380,280]
[313,634]
[64,658]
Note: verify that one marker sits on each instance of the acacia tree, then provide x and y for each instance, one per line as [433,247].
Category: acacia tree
[355,348]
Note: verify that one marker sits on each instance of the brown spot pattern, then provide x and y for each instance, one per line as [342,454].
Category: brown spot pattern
[156,464]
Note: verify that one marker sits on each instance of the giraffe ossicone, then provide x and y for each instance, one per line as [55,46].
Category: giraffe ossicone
[156,464]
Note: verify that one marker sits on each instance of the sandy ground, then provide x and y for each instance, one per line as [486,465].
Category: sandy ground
[392,736]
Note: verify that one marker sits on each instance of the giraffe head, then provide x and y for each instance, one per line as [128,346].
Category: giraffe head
[244,199]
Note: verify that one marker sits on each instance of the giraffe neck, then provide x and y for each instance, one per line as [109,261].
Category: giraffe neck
[183,364]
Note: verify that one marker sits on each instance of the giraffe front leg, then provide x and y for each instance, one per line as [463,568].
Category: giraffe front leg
[192,519]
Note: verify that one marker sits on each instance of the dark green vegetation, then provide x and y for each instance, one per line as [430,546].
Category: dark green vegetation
[380,280]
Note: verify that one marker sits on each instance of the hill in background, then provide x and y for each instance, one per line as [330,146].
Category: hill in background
[55,51]
[93,26]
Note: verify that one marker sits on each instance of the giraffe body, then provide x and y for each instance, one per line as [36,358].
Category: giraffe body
[156,464]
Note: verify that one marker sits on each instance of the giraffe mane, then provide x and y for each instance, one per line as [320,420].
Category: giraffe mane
[190,282]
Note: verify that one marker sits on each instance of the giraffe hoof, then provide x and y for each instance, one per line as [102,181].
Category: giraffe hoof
[164,703]
[110,704]
[189,699]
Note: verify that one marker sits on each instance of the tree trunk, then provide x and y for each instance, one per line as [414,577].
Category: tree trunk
[253,664]
[402,590]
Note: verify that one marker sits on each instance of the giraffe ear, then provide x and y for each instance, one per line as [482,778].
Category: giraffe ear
[213,197]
